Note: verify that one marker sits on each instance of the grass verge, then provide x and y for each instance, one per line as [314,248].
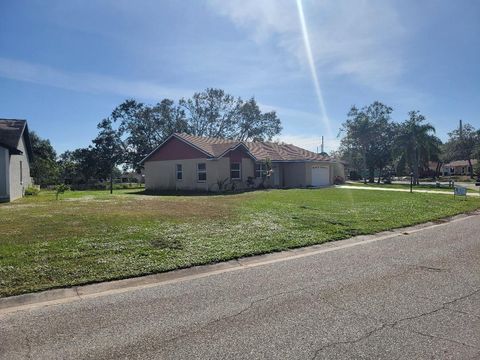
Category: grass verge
[94,236]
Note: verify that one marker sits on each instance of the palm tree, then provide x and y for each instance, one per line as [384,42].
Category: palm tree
[416,143]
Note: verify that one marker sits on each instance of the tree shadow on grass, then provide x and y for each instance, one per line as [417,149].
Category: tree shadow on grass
[208,193]
[190,193]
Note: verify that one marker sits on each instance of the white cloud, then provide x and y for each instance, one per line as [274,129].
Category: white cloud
[356,38]
[85,82]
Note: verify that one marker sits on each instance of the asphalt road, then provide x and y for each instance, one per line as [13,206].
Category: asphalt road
[414,296]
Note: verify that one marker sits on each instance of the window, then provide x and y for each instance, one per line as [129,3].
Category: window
[201,172]
[21,172]
[260,170]
[235,171]
[179,172]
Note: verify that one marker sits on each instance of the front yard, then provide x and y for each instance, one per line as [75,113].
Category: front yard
[94,236]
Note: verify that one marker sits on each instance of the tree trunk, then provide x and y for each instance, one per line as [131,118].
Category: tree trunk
[415,167]
[379,175]
[437,169]
[371,176]
[471,167]
[111,182]
[364,167]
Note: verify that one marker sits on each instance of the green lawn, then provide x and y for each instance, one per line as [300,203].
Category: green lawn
[94,236]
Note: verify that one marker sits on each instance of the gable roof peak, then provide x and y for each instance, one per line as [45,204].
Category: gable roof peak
[11,131]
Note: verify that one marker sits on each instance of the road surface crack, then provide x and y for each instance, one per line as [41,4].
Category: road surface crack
[78,294]
[429,268]
[463,312]
[441,338]
[395,323]
[239,313]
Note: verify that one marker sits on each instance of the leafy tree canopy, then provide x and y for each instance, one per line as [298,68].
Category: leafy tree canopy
[212,113]
[416,143]
[44,168]
[368,135]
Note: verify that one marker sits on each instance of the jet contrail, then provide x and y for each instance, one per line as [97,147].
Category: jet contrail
[316,82]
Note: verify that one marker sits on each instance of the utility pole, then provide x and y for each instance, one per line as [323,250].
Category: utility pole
[322,145]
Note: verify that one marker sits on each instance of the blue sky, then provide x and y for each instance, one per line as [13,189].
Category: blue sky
[64,65]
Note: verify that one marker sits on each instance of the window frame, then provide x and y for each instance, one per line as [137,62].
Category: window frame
[203,171]
[262,170]
[178,172]
[239,170]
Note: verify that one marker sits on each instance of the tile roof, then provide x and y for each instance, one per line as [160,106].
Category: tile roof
[261,150]
[460,163]
[213,146]
[11,130]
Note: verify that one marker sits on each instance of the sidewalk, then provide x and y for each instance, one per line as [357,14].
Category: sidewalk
[470,193]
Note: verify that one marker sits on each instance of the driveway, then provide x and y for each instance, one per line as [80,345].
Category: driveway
[410,296]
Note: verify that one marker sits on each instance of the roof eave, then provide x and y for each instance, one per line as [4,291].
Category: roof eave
[303,160]
[235,147]
[11,150]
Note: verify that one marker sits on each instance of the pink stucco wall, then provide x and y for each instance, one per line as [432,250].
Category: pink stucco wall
[176,149]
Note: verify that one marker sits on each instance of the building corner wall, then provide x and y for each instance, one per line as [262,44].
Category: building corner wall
[19,180]
[4,174]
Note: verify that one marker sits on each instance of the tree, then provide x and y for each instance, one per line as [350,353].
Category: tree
[462,144]
[78,166]
[144,127]
[109,150]
[255,125]
[368,138]
[214,113]
[416,143]
[210,113]
[44,168]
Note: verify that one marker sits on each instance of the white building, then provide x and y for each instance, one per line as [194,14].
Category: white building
[15,158]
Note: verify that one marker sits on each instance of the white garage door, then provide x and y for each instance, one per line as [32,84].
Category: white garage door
[320,175]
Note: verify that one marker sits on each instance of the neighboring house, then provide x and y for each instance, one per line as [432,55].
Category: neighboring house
[459,167]
[132,176]
[15,157]
[187,162]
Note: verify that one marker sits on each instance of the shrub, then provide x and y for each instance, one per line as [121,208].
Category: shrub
[222,184]
[60,189]
[32,191]
[339,180]
[354,176]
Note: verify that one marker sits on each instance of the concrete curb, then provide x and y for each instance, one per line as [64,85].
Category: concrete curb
[83,292]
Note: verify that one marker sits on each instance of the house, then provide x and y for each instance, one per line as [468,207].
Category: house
[132,177]
[15,157]
[187,162]
[459,167]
